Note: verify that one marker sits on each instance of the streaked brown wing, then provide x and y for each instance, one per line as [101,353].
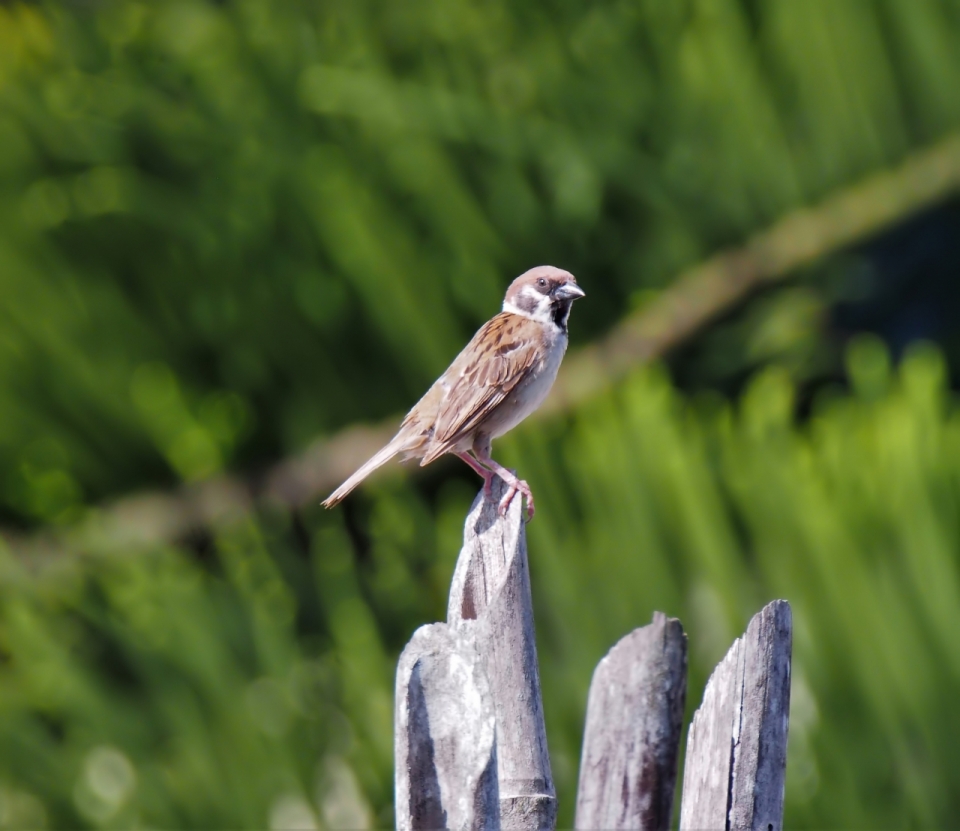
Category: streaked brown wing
[498,357]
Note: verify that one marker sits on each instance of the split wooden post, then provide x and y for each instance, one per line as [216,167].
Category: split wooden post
[491,586]
[737,746]
[490,622]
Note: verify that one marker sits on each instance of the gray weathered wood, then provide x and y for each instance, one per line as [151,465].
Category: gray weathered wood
[628,769]
[737,746]
[490,594]
[445,735]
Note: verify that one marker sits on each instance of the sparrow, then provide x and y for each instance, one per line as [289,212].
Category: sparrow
[502,375]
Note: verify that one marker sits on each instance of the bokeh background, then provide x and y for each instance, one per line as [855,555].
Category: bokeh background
[232,231]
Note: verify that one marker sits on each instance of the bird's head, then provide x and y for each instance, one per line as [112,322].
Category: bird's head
[543,293]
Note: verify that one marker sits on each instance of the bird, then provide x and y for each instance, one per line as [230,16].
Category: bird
[499,378]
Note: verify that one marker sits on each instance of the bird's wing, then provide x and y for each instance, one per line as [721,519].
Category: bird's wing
[500,355]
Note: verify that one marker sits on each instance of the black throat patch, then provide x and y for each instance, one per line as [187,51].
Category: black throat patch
[561,312]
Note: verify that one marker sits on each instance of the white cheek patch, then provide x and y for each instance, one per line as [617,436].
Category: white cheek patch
[530,303]
[543,308]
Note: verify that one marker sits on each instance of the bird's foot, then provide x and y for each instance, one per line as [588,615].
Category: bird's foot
[488,467]
[515,486]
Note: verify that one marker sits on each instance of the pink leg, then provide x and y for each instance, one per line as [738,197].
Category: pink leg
[486,474]
[514,485]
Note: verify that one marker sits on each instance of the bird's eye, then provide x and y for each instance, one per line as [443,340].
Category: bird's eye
[541,282]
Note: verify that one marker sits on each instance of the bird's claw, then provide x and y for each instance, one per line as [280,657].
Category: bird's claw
[517,486]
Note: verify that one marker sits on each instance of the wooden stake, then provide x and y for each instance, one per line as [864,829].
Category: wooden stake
[632,737]
[737,746]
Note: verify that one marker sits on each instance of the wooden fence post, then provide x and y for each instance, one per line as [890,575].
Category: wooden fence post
[491,585]
[737,746]
[631,741]
[490,626]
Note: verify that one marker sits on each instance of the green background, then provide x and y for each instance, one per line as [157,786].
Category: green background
[230,229]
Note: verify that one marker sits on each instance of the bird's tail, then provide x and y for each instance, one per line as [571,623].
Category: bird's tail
[397,445]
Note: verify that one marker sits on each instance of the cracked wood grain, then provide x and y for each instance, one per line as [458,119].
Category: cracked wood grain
[471,746]
[736,760]
[445,735]
[631,742]
[490,592]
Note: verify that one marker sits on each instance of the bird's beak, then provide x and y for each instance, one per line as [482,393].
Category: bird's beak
[569,291]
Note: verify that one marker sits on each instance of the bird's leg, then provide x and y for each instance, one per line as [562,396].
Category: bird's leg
[486,474]
[514,485]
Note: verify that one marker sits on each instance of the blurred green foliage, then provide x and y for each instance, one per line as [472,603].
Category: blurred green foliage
[228,228]
[215,217]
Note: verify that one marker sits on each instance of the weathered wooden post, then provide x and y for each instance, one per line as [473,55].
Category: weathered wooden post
[471,747]
[737,747]
[445,735]
[491,586]
[490,628]
[631,741]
